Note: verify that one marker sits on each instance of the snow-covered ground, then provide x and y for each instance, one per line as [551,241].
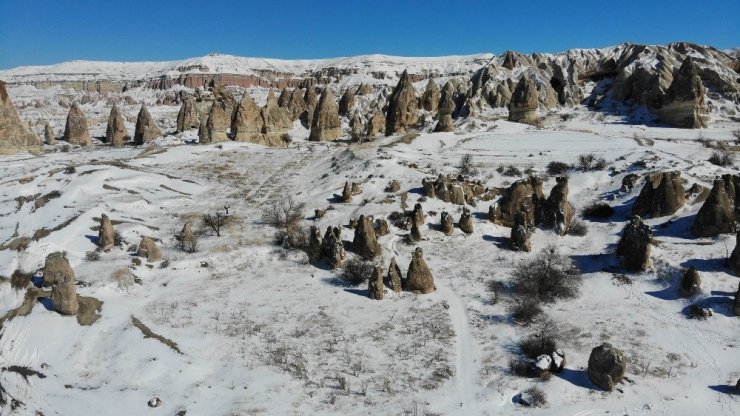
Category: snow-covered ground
[263,332]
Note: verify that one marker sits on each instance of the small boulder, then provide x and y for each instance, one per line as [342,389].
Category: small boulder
[313,248]
[149,249]
[606,366]
[381,227]
[629,181]
[419,277]
[690,283]
[558,212]
[106,234]
[347,193]
[375,284]
[466,221]
[415,232]
[417,215]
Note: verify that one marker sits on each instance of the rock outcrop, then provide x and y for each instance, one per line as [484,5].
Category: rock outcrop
[188,116]
[347,193]
[14,133]
[311,100]
[520,233]
[313,248]
[403,111]
[690,283]
[457,190]
[717,214]
[447,224]
[466,221]
[419,278]
[186,237]
[417,215]
[347,103]
[218,122]
[381,227]
[64,295]
[115,131]
[355,127]
[375,288]
[365,242]
[606,366]
[446,106]
[276,123]
[146,128]
[49,136]
[325,125]
[76,131]
[430,98]
[393,280]
[683,105]
[558,212]
[56,268]
[331,247]
[736,307]
[524,103]
[375,125]
[296,106]
[634,246]
[734,261]
[662,195]
[148,248]
[247,123]
[106,233]
[415,234]
[523,195]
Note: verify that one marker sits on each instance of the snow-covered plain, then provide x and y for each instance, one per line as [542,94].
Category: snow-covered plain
[263,332]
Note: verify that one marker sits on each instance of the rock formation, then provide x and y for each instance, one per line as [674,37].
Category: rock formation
[446,223]
[221,113]
[296,105]
[520,233]
[106,234]
[430,97]
[446,106]
[375,125]
[394,281]
[75,131]
[365,242]
[49,136]
[188,116]
[375,286]
[115,131]
[662,195]
[325,125]
[606,366]
[402,107]
[332,248]
[347,193]
[56,268]
[313,248]
[683,105]
[14,133]
[523,195]
[690,283]
[149,249]
[355,127]
[466,221]
[284,99]
[247,123]
[311,100]
[629,181]
[419,277]
[736,307]
[634,246]
[717,214]
[417,215]
[458,190]
[347,103]
[558,212]
[415,234]
[734,261]
[381,227]
[64,295]
[524,103]
[276,123]
[186,235]
[146,129]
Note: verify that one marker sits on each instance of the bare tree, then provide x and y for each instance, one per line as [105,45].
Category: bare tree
[215,222]
[283,213]
[466,165]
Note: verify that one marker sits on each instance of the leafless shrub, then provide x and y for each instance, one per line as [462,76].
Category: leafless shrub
[577,228]
[557,168]
[597,210]
[536,397]
[466,165]
[522,368]
[525,311]
[721,158]
[542,339]
[93,255]
[122,276]
[510,171]
[547,277]
[589,162]
[215,222]
[283,213]
[356,271]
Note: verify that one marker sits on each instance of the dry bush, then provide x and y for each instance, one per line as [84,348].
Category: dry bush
[557,168]
[598,210]
[547,277]
[589,162]
[93,255]
[510,171]
[721,158]
[356,271]
[522,368]
[525,311]
[542,339]
[283,213]
[537,397]
[466,165]
[215,222]
[122,276]
[578,228]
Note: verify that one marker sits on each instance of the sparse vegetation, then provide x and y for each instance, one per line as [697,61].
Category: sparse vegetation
[215,222]
[510,171]
[557,168]
[356,271]
[578,228]
[597,209]
[721,158]
[542,340]
[466,165]
[286,214]
[547,277]
[536,397]
[590,162]
[525,311]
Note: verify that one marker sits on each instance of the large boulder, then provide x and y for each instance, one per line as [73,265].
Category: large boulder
[14,133]
[375,125]
[520,233]
[56,267]
[446,223]
[148,248]
[417,215]
[365,243]
[430,97]
[331,247]
[662,195]
[347,103]
[247,123]
[690,283]
[717,214]
[558,212]
[683,104]
[523,195]
[313,248]
[403,110]
[606,366]
[49,136]
[75,131]
[375,286]
[419,277]
[734,261]
[64,295]
[325,125]
[457,190]
[106,233]
[188,116]
[115,131]
[146,128]
[276,123]
[446,106]
[394,281]
[524,102]
[634,246]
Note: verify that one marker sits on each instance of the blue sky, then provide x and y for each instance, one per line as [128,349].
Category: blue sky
[34,32]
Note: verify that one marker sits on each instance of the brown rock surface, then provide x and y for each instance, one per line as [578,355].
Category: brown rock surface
[419,277]
[403,108]
[115,131]
[75,131]
[325,125]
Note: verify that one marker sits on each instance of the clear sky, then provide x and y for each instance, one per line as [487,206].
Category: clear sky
[34,32]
